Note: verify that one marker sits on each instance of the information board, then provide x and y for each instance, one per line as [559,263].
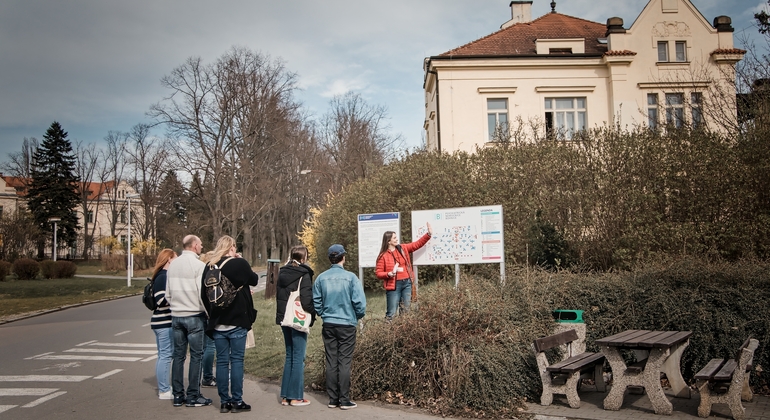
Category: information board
[371,227]
[467,235]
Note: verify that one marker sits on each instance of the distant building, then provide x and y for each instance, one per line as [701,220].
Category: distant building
[568,74]
[105,205]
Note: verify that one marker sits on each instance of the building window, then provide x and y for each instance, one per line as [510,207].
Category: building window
[497,119]
[122,216]
[675,109]
[681,51]
[565,116]
[662,51]
[90,216]
[1,212]
[652,110]
[696,105]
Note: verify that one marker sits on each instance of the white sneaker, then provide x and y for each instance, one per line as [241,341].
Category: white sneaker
[165,395]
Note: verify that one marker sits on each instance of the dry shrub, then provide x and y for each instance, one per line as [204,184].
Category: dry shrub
[5,269]
[114,262]
[66,269]
[48,269]
[26,268]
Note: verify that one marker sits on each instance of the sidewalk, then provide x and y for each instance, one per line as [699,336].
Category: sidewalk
[638,407]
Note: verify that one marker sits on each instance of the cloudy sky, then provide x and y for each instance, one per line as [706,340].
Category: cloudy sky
[96,65]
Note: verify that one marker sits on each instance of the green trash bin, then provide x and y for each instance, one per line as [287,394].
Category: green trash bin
[568,316]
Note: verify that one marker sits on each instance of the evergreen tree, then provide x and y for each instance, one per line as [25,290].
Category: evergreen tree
[53,191]
[172,211]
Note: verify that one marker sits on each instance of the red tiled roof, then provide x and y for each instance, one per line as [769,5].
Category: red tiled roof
[728,51]
[519,39]
[95,189]
[620,52]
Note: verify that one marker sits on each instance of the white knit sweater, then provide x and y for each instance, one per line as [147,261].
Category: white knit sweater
[183,287]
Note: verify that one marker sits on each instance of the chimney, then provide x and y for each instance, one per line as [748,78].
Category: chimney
[521,12]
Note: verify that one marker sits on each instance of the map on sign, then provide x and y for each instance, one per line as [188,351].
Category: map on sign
[371,227]
[468,235]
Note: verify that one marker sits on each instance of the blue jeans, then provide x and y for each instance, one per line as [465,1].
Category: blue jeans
[402,295]
[188,330]
[163,364]
[339,343]
[208,359]
[231,345]
[293,380]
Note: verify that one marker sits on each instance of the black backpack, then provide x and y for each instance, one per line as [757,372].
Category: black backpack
[219,290]
[148,298]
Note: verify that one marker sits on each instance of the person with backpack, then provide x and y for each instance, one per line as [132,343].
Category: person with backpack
[295,274]
[394,267]
[161,324]
[227,297]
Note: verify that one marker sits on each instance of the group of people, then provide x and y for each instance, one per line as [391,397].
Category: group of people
[184,318]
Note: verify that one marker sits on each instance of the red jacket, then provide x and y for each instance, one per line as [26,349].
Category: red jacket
[388,259]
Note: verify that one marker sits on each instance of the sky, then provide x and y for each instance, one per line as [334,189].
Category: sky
[95,65]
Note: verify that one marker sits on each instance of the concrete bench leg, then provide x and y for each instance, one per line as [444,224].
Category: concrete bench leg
[599,378]
[732,398]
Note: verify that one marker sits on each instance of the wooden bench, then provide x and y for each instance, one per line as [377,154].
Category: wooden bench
[726,381]
[564,377]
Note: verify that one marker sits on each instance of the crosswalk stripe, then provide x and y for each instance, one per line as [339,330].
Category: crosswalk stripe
[121,333]
[109,351]
[18,392]
[43,378]
[44,399]
[96,343]
[110,373]
[153,357]
[6,407]
[86,343]
[38,355]
[102,358]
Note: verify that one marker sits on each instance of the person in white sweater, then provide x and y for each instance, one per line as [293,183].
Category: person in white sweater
[188,321]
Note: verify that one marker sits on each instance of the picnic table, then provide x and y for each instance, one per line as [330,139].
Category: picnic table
[663,351]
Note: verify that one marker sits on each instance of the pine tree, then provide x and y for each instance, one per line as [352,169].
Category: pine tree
[172,210]
[54,186]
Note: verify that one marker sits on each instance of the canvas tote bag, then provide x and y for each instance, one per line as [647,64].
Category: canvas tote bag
[294,316]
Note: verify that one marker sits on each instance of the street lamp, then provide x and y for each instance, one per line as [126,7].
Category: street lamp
[54,220]
[130,266]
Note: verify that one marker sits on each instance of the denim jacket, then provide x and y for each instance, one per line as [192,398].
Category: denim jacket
[338,296]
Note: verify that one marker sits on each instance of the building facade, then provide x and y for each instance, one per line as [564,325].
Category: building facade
[558,74]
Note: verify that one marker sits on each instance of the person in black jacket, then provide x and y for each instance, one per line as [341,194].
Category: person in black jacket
[289,276]
[161,324]
[228,326]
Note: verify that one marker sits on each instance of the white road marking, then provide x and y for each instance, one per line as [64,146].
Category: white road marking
[6,407]
[108,351]
[110,373]
[150,358]
[147,324]
[102,358]
[86,343]
[121,333]
[36,356]
[44,399]
[18,392]
[96,343]
[43,378]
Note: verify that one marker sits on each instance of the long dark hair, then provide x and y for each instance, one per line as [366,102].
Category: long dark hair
[297,255]
[386,237]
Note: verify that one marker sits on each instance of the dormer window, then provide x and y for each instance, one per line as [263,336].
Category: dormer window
[560,51]
[680,52]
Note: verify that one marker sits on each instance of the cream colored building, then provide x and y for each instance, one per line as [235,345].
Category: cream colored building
[107,201]
[564,74]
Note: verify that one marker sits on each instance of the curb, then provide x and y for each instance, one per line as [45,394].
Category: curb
[26,315]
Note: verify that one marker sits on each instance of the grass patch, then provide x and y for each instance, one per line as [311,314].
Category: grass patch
[266,359]
[20,296]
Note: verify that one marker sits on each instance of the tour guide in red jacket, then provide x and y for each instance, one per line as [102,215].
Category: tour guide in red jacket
[394,267]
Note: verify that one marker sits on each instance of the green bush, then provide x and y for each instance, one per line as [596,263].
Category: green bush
[66,269]
[466,351]
[5,269]
[49,269]
[26,268]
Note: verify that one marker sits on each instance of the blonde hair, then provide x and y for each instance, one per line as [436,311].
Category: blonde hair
[164,256]
[223,247]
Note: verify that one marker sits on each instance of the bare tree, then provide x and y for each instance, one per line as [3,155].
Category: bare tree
[111,172]
[86,162]
[20,163]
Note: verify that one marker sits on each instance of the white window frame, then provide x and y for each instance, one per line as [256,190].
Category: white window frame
[675,109]
[499,115]
[662,51]
[696,109]
[680,51]
[653,110]
[566,120]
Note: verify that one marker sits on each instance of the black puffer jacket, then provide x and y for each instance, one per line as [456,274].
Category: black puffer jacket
[288,278]
[241,312]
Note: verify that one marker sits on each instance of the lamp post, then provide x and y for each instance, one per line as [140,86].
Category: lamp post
[130,265]
[54,220]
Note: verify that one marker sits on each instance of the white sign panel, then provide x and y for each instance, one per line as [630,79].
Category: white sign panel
[371,227]
[468,235]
